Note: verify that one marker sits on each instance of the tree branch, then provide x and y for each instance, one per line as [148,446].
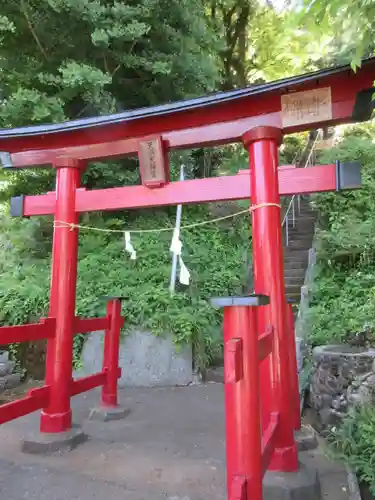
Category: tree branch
[31,28]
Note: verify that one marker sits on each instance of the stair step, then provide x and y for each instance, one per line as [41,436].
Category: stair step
[302,216]
[301,230]
[293,251]
[297,264]
[301,255]
[294,281]
[288,272]
[294,273]
[295,297]
[306,231]
[293,289]
[295,246]
[303,221]
[306,240]
[298,253]
[299,236]
[297,258]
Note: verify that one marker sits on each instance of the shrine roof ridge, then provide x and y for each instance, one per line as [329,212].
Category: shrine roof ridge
[177,106]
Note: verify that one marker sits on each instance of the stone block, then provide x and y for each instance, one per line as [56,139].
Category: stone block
[6,367]
[10,381]
[306,438]
[300,353]
[107,414]
[301,485]
[4,356]
[329,417]
[53,443]
[342,377]
[146,360]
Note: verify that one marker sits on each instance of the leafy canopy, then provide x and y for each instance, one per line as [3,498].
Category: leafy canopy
[64,59]
[351,21]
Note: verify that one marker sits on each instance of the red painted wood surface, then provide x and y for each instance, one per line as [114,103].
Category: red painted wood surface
[25,333]
[233,361]
[111,353]
[38,398]
[85,384]
[46,329]
[265,344]
[218,123]
[262,145]
[242,402]
[57,416]
[33,401]
[315,179]
[268,441]
[238,489]
[90,325]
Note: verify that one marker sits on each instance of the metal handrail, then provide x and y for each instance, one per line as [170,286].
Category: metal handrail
[291,206]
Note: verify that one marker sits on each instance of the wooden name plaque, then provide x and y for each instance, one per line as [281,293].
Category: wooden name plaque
[310,106]
[153,162]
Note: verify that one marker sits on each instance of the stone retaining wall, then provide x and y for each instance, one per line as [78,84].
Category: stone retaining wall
[146,360]
[8,379]
[342,376]
[301,326]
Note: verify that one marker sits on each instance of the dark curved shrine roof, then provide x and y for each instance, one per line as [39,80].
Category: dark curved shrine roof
[278,86]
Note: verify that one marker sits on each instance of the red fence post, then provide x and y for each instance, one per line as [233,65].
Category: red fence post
[293,370]
[262,143]
[57,417]
[242,402]
[111,353]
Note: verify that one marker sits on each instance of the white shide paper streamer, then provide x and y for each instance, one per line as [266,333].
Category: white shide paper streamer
[129,247]
[176,247]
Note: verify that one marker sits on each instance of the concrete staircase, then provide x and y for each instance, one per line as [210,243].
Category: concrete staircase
[296,249]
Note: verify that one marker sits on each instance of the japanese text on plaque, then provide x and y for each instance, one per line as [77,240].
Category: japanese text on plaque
[311,106]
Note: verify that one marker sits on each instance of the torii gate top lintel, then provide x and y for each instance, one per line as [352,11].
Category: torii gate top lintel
[328,97]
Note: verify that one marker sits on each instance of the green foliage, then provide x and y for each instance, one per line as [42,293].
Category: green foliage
[352,24]
[354,443]
[292,147]
[216,256]
[260,43]
[66,59]
[344,286]
[279,49]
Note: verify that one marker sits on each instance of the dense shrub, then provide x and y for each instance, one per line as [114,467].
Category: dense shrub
[354,444]
[344,286]
[215,254]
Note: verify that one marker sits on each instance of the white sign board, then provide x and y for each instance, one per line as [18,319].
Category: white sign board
[310,106]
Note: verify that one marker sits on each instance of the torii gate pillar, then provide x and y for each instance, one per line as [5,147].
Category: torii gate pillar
[262,144]
[58,416]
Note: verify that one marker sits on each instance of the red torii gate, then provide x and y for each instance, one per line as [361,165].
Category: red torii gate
[258,116]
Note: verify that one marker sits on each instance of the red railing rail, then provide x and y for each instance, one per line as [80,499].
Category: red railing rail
[39,398]
[26,333]
[250,444]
